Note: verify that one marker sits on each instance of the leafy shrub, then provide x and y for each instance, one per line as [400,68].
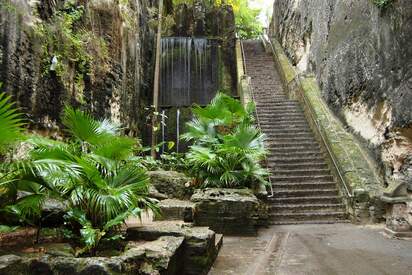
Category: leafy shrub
[95,172]
[227,148]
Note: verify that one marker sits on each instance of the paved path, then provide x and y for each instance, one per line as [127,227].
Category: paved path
[315,249]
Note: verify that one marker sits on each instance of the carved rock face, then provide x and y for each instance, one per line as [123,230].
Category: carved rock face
[399,219]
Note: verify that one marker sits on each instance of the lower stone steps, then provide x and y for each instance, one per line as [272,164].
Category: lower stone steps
[291,222]
[304,185]
[304,192]
[308,215]
[304,172]
[281,208]
[304,189]
[306,200]
[319,178]
[297,165]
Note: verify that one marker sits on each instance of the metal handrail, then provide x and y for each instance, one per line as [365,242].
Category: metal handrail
[255,111]
[312,114]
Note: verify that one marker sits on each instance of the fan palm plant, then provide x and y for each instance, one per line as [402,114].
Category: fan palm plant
[94,172]
[227,148]
[11,128]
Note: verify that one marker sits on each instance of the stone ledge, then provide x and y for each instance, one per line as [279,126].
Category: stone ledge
[200,245]
[172,209]
[227,211]
[161,256]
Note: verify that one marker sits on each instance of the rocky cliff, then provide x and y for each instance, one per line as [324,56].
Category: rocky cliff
[361,55]
[95,54]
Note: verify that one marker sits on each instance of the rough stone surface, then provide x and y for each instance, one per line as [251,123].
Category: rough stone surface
[115,84]
[361,56]
[172,209]
[199,247]
[399,217]
[171,183]
[53,212]
[161,256]
[226,211]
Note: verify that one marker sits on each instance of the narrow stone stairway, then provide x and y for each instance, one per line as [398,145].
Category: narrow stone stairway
[304,188]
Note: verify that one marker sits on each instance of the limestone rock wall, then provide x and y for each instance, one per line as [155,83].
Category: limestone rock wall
[103,50]
[361,56]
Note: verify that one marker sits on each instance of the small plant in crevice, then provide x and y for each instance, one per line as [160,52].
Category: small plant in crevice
[69,49]
[227,148]
[382,3]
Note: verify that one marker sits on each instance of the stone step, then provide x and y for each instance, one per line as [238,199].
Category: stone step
[312,172]
[289,135]
[282,126]
[306,200]
[283,120]
[284,103]
[295,158]
[284,116]
[295,149]
[265,128]
[305,193]
[290,114]
[276,140]
[308,215]
[278,208]
[291,222]
[304,186]
[268,107]
[293,144]
[267,98]
[297,165]
[287,157]
[309,178]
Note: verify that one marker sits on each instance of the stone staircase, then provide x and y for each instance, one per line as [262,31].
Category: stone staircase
[304,188]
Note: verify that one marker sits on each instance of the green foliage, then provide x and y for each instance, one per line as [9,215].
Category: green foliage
[227,147]
[92,236]
[94,171]
[7,229]
[60,38]
[11,123]
[174,162]
[78,52]
[382,3]
[246,18]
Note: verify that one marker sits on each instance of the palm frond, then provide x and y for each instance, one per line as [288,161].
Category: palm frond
[11,123]
[81,125]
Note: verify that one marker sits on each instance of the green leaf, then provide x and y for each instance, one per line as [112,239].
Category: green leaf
[11,123]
